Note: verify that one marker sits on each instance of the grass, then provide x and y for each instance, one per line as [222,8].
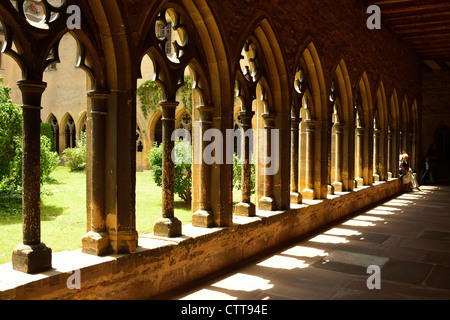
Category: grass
[63,211]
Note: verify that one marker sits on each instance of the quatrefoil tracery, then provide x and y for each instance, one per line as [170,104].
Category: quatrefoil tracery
[172,35]
[39,13]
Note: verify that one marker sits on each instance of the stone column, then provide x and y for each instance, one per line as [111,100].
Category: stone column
[339,132]
[203,217]
[296,196]
[32,256]
[96,241]
[246,207]
[168,225]
[359,180]
[310,128]
[389,154]
[330,187]
[267,202]
[376,154]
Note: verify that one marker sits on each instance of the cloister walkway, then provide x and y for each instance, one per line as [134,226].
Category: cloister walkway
[407,237]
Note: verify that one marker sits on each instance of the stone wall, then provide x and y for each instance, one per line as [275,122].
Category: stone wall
[161,264]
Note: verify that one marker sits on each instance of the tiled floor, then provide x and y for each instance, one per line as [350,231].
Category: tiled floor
[407,238]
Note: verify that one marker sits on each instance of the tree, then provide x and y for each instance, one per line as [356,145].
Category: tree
[11,144]
[182,168]
[10,133]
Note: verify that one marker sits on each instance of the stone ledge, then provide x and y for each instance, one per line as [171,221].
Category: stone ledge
[163,264]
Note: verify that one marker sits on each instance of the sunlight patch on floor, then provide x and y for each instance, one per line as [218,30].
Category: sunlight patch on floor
[244,282]
[322,238]
[280,262]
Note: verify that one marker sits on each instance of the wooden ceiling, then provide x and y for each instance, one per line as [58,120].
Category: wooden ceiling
[424,25]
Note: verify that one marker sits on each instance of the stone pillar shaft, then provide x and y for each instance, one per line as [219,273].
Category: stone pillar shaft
[296,197]
[32,256]
[359,154]
[203,217]
[246,207]
[168,225]
[376,153]
[339,132]
[310,127]
[96,241]
[267,202]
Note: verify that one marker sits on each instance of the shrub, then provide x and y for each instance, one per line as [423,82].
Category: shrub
[10,132]
[182,168]
[75,158]
[237,173]
[49,158]
[46,130]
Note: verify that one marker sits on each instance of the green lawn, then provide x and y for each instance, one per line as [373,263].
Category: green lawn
[63,211]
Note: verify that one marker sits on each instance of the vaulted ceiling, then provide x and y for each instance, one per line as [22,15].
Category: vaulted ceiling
[424,25]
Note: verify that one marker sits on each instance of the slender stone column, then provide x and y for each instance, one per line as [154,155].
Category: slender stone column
[168,225]
[402,148]
[296,196]
[330,187]
[376,154]
[96,241]
[32,255]
[359,156]
[267,202]
[308,192]
[203,217]
[246,207]
[339,132]
[389,154]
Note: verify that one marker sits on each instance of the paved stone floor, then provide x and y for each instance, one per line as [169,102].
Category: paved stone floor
[407,238]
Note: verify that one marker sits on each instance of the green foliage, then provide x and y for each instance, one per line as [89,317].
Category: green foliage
[150,94]
[46,130]
[75,158]
[49,158]
[10,132]
[237,173]
[182,168]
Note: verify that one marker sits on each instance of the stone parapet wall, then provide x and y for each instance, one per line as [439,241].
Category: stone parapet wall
[162,264]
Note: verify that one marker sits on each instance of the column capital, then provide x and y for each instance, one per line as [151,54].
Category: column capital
[206,113]
[269,120]
[168,109]
[360,130]
[310,124]
[99,99]
[339,127]
[295,121]
[31,93]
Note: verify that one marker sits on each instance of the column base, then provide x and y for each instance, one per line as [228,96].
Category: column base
[376,178]
[266,203]
[330,189]
[203,219]
[337,186]
[359,182]
[389,175]
[245,209]
[123,242]
[296,198]
[308,194]
[32,258]
[96,243]
[167,227]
